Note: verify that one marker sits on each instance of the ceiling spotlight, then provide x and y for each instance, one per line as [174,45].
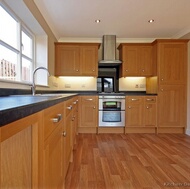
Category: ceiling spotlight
[97,21]
[151,21]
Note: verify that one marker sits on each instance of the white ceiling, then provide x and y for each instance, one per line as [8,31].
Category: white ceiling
[123,18]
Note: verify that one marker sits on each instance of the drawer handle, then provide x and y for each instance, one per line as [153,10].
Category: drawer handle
[89,99]
[149,99]
[134,99]
[64,133]
[57,119]
[69,107]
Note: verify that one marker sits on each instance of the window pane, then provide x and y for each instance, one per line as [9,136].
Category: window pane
[26,45]
[8,67]
[26,69]
[9,29]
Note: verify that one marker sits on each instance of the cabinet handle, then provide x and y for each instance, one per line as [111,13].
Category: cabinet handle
[142,70]
[162,79]
[89,99]
[134,99]
[147,107]
[126,70]
[77,70]
[64,133]
[162,89]
[69,107]
[57,119]
[149,99]
[129,107]
[75,102]
[94,107]
[93,70]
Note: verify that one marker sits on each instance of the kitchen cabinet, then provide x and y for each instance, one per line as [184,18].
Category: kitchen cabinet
[88,119]
[21,152]
[68,133]
[172,108]
[141,114]
[134,111]
[67,60]
[171,59]
[53,165]
[76,59]
[150,111]
[137,59]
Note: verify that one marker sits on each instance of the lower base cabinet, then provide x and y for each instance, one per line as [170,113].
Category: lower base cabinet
[20,150]
[141,114]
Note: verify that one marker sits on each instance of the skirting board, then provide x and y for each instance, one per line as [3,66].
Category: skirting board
[187,132]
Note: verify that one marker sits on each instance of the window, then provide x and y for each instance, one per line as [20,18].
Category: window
[16,48]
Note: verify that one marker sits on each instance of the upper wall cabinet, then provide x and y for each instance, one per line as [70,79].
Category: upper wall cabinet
[137,59]
[171,61]
[76,59]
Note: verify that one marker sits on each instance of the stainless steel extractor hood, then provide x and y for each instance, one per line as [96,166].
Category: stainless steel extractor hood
[109,51]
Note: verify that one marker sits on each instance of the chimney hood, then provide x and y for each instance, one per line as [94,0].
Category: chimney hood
[109,52]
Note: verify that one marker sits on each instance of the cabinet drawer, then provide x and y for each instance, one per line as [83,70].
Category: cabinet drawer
[69,106]
[150,99]
[53,116]
[88,99]
[134,99]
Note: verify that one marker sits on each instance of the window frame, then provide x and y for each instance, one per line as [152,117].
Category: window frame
[21,28]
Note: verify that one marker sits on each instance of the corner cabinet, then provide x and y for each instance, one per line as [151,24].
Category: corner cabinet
[76,59]
[137,59]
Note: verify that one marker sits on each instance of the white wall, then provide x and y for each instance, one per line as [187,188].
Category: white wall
[132,84]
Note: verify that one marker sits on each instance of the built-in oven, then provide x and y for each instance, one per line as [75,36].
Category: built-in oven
[111,111]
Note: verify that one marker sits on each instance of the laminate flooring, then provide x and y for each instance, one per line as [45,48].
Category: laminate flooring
[131,161]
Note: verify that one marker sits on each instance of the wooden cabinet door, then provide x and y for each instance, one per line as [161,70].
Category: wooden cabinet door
[171,106]
[134,111]
[67,60]
[130,65]
[21,153]
[89,60]
[137,59]
[145,61]
[89,111]
[53,159]
[150,112]
[68,129]
[172,62]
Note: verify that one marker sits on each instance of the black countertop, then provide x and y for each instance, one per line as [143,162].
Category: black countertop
[16,107]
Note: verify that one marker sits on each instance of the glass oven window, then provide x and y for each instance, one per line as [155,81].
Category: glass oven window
[111,105]
[111,116]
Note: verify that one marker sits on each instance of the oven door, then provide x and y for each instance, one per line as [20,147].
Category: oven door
[111,118]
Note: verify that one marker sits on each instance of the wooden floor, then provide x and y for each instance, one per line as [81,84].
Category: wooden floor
[131,161]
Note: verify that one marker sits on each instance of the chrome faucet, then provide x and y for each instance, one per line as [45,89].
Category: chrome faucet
[33,81]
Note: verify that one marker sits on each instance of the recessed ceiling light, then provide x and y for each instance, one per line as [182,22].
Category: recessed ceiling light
[151,21]
[97,21]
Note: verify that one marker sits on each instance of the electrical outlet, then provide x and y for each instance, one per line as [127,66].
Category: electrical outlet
[55,84]
[142,85]
[67,85]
